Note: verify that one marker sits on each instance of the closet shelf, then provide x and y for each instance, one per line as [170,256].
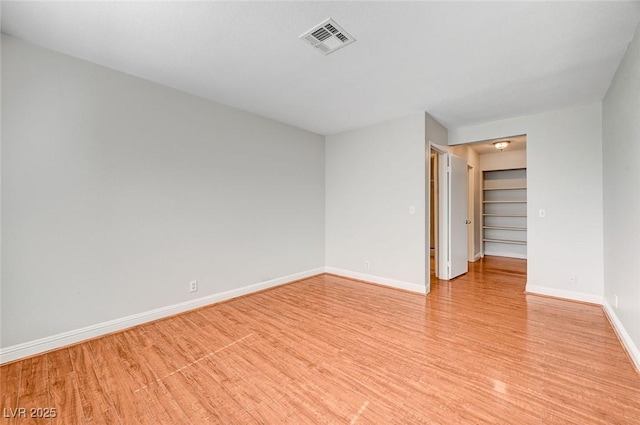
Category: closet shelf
[504,228]
[504,202]
[510,241]
[504,215]
[505,188]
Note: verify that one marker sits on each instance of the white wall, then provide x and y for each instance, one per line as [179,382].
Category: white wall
[621,152]
[373,176]
[435,132]
[564,177]
[503,160]
[116,192]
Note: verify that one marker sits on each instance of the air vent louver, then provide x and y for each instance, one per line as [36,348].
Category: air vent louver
[321,34]
[327,37]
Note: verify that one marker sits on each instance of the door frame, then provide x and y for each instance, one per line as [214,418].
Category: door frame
[471,244]
[442,202]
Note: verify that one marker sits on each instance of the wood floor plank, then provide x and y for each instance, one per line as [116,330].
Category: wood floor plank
[63,391]
[222,406]
[138,370]
[10,384]
[97,406]
[120,375]
[33,392]
[164,406]
[328,349]
[195,409]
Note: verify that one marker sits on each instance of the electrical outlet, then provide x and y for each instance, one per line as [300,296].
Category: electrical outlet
[193,286]
[412,210]
[542,213]
[615,300]
[366,265]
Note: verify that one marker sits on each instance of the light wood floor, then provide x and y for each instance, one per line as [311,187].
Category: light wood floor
[329,350]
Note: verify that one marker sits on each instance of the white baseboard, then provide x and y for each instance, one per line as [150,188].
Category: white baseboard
[561,293]
[632,349]
[477,257]
[407,286]
[31,348]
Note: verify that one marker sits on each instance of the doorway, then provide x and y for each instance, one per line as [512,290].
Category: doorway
[501,197]
[448,218]
[437,212]
[483,231]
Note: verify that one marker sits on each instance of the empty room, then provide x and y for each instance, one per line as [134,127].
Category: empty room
[320,212]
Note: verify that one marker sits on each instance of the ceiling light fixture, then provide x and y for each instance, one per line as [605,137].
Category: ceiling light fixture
[501,145]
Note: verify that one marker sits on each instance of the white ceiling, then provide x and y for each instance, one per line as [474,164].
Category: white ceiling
[463,62]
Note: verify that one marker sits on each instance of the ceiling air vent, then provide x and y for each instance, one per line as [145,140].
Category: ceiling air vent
[327,37]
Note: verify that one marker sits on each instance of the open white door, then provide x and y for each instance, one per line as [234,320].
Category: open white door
[457,216]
